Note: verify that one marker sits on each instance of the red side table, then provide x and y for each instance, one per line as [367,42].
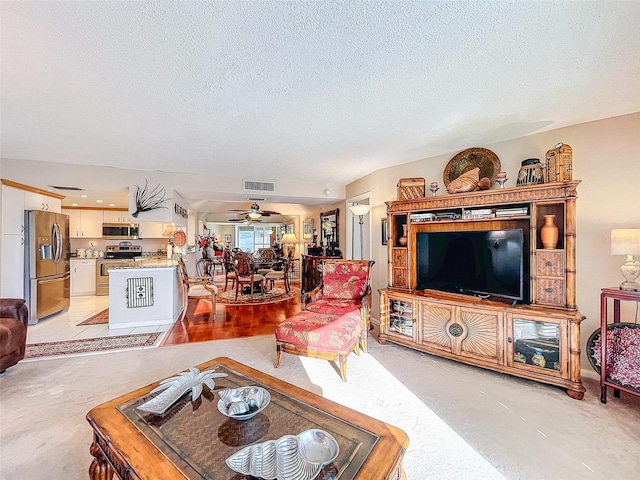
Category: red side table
[617,296]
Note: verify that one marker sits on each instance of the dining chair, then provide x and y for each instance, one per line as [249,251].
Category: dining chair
[268,258]
[283,274]
[229,272]
[201,288]
[244,267]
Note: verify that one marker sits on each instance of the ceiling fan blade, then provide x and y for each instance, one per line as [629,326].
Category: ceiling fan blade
[269,212]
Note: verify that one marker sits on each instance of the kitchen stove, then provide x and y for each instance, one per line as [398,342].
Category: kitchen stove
[114,255]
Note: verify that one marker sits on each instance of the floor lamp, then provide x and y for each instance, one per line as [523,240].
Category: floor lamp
[361,211]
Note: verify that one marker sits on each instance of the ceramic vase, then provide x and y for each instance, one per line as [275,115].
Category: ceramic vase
[403,239]
[549,233]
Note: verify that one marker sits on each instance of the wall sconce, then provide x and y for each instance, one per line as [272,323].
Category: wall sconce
[626,241]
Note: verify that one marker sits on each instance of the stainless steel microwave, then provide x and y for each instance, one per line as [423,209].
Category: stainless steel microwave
[122,231]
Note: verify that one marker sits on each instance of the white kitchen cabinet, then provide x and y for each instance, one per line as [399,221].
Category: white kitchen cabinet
[84,223]
[12,267]
[12,210]
[83,277]
[38,201]
[151,229]
[116,216]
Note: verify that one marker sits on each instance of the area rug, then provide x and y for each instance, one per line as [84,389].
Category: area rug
[97,319]
[276,294]
[84,345]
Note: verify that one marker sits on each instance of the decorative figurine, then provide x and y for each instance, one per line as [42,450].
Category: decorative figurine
[501,178]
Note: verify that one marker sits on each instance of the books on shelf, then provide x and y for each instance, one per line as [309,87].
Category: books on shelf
[479,213]
[507,212]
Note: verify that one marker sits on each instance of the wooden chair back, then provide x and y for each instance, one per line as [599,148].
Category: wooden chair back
[243,264]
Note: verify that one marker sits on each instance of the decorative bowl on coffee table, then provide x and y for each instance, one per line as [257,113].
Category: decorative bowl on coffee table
[243,403]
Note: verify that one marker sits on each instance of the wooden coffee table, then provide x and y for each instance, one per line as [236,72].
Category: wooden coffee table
[192,440]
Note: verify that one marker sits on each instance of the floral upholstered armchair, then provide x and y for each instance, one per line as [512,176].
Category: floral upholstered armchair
[345,287]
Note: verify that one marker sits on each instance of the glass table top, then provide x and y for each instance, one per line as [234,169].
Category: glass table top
[198,439]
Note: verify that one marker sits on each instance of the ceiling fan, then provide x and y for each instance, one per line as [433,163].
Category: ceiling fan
[255,213]
[246,219]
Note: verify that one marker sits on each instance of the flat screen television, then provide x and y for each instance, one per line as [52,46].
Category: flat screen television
[474,262]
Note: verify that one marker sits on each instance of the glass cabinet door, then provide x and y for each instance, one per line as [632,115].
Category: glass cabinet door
[401,318]
[536,344]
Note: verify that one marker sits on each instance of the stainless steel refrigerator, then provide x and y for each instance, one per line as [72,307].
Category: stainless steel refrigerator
[47,275]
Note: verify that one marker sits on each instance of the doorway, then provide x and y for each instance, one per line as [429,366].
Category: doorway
[359,227]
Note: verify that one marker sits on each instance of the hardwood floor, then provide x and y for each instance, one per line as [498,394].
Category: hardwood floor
[231,321]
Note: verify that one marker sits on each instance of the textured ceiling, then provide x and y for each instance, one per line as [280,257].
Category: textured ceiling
[315,92]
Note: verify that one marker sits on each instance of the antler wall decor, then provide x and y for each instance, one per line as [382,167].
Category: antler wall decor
[147,200]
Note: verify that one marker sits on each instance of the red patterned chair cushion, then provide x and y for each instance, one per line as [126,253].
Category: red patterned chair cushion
[323,332]
[344,279]
[333,306]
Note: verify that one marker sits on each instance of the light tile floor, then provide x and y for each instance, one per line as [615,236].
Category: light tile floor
[64,325]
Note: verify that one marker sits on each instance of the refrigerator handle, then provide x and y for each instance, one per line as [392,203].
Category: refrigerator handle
[57,242]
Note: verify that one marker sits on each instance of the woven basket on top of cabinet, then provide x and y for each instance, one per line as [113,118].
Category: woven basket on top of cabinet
[410,188]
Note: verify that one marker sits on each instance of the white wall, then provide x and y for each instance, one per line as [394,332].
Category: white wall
[606,157]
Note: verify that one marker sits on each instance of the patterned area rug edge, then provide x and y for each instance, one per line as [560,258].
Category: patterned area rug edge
[97,319]
[277,295]
[84,345]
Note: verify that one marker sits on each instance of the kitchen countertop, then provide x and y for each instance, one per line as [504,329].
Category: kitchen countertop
[148,263]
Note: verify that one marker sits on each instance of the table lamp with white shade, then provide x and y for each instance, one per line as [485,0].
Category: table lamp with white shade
[289,239]
[626,241]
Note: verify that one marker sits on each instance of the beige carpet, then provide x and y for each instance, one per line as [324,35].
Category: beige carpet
[463,422]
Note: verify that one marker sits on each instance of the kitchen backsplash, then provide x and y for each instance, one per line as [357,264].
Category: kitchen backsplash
[151,246]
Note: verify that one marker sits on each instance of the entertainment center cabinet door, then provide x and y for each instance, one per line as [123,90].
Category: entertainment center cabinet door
[537,345]
[484,337]
[468,332]
[435,322]
[397,319]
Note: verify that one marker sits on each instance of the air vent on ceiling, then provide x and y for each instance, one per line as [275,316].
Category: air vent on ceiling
[77,189]
[256,199]
[258,186]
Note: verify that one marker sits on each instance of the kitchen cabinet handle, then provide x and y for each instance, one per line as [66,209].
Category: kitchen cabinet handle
[549,264]
[549,290]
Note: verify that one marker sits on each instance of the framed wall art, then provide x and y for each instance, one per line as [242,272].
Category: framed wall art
[307,228]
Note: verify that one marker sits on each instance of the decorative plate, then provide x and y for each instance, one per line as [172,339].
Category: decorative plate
[623,335]
[180,238]
[484,159]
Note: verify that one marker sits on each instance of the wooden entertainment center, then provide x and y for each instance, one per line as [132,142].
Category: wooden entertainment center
[538,337]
